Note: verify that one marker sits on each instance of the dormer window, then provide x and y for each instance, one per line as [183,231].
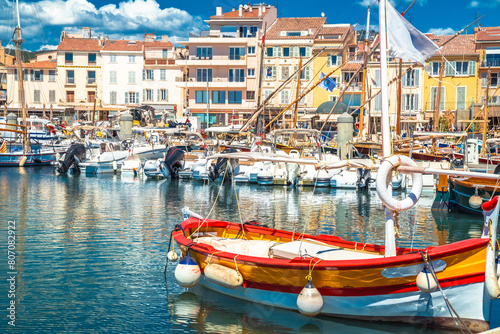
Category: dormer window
[293,33]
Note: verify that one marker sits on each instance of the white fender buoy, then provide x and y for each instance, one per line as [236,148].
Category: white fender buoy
[425,281]
[172,256]
[491,282]
[475,201]
[115,166]
[310,301]
[224,276]
[384,172]
[187,273]
[58,156]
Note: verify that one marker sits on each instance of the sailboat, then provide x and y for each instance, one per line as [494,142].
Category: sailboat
[447,286]
[13,155]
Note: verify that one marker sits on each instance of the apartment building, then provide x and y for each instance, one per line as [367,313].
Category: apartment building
[221,74]
[458,80]
[332,46]
[5,60]
[288,41]
[488,46]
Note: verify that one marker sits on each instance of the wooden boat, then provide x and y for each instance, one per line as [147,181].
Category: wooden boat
[461,190]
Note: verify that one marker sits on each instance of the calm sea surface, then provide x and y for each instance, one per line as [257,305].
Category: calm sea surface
[90,251]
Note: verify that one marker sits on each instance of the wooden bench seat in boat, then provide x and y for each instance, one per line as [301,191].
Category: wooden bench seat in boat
[287,250]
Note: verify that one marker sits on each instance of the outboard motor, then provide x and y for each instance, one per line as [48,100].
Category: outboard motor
[74,155]
[221,165]
[174,160]
[363,178]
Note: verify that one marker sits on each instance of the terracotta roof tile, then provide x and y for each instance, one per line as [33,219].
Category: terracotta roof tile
[245,12]
[158,44]
[122,45]
[38,64]
[488,34]
[296,24]
[351,66]
[335,30]
[79,44]
[460,45]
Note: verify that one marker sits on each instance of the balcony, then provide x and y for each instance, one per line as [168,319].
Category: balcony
[214,61]
[161,61]
[215,83]
[494,63]
[219,34]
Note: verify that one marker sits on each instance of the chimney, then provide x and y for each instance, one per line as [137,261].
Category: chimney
[260,11]
[263,8]
[86,33]
[164,38]
[233,9]
[218,11]
[240,11]
[250,9]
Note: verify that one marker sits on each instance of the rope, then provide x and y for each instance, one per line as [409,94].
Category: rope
[309,275]
[211,255]
[452,311]
[213,206]
[236,265]
[237,201]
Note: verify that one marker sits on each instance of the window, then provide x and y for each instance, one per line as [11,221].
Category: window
[70,96]
[236,75]
[410,79]
[68,58]
[147,95]
[435,68]
[234,96]
[286,52]
[91,77]
[52,75]
[36,96]
[303,100]
[236,53]
[332,98]
[409,102]
[112,97]
[285,72]
[267,92]
[219,97]
[462,67]
[112,58]
[251,50]
[38,76]
[250,95]
[148,74]
[52,96]
[269,52]
[131,97]
[493,60]
[164,53]
[163,95]
[92,58]
[251,72]
[131,59]
[461,95]
[377,105]
[163,74]
[70,77]
[131,77]
[91,96]
[304,74]
[204,75]
[494,80]
[348,76]
[434,98]
[305,51]
[284,95]
[334,60]
[112,77]
[253,31]
[270,72]
[204,53]
[201,96]
[376,80]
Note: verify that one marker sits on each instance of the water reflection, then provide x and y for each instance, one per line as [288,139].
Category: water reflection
[91,250]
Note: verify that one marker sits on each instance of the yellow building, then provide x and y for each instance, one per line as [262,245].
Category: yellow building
[333,43]
[459,78]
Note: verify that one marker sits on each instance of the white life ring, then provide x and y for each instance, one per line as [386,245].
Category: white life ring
[385,193]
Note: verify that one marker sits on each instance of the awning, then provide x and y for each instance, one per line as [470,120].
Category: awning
[322,117]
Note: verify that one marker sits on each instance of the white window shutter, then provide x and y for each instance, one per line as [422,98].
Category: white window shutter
[295,51]
[308,51]
[430,68]
[404,79]
[144,95]
[339,60]
[377,78]
[307,73]
[433,98]
[166,94]
[415,102]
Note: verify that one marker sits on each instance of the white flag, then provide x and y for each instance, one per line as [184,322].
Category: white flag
[405,41]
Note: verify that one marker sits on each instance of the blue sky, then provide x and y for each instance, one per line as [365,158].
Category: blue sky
[43,20]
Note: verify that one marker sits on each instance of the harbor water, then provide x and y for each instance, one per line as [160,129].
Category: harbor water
[90,251]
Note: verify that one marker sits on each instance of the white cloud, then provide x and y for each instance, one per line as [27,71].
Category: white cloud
[43,20]
[441,31]
[47,47]
[474,4]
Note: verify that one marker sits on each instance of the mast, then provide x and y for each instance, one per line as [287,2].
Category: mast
[439,97]
[261,64]
[363,85]
[390,238]
[18,41]
[298,94]
[485,126]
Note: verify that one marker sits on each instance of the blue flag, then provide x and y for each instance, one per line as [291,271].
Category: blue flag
[328,84]
[269,73]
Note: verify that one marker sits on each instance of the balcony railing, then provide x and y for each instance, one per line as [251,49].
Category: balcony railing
[494,63]
[224,57]
[159,62]
[219,34]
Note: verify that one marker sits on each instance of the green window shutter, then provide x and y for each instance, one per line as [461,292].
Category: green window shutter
[377,78]
[433,98]
[308,51]
[417,77]
[126,97]
[274,71]
[442,98]
[430,68]
[307,73]
[280,51]
[329,61]
[472,67]
[415,102]
[403,102]
[144,95]
[158,95]
[404,78]
[152,74]
[143,74]
[295,51]
[448,70]
[377,104]
[461,97]
[339,60]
